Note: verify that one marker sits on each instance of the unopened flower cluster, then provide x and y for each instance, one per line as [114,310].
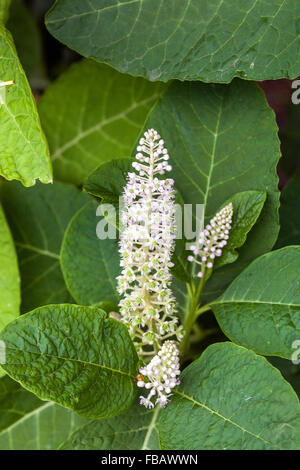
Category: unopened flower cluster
[146,246]
[160,376]
[212,240]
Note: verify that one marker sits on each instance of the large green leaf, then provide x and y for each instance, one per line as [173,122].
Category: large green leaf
[289,214]
[38,218]
[74,356]
[260,309]
[101,113]
[212,41]
[230,398]
[9,275]
[27,423]
[90,265]
[26,36]
[134,430]
[24,153]
[204,127]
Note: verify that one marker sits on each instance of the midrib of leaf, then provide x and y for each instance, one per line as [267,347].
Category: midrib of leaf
[28,246]
[101,366]
[186,174]
[37,436]
[242,301]
[97,127]
[210,410]
[51,268]
[34,412]
[151,427]
[37,250]
[213,155]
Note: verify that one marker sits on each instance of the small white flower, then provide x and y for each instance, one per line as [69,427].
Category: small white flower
[161,375]
[212,240]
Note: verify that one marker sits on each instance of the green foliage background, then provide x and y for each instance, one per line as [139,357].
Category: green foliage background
[69,126]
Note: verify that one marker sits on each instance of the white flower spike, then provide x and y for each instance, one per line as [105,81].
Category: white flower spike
[160,376]
[146,246]
[212,240]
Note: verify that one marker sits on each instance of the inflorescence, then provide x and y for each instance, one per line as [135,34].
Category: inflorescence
[146,246]
[161,375]
[212,240]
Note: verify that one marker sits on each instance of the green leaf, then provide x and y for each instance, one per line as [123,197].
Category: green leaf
[26,36]
[247,207]
[187,40]
[4,10]
[108,180]
[289,214]
[204,127]
[24,153]
[101,113]
[9,275]
[27,423]
[260,309]
[38,218]
[134,430]
[230,398]
[74,356]
[90,265]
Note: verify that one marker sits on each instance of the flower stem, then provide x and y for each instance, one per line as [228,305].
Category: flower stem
[191,315]
[193,312]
